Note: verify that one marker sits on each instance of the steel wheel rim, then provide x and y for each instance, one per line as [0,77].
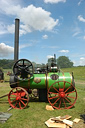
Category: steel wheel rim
[18,98]
[62,99]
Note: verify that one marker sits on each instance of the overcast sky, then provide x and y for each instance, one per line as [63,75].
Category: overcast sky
[47,27]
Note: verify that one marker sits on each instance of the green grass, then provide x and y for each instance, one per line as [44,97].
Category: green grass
[79,72]
[35,114]
[6,77]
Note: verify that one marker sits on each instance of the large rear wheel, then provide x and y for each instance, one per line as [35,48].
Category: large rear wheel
[62,97]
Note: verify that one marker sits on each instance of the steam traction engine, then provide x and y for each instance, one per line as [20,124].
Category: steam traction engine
[52,85]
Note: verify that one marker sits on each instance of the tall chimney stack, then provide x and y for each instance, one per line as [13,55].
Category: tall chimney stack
[55,56]
[16,44]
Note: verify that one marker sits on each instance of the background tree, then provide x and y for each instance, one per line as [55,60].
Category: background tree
[6,64]
[64,62]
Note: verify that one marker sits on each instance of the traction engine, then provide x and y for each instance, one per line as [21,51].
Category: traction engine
[52,85]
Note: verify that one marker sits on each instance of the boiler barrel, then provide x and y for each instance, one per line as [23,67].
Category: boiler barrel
[43,81]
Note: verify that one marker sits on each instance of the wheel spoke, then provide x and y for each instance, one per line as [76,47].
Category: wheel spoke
[68,100]
[27,68]
[53,97]
[29,65]
[71,97]
[64,85]
[64,103]
[24,99]
[19,104]
[19,66]
[23,103]
[17,92]
[13,93]
[15,104]
[60,103]
[55,101]
[23,62]
[67,89]
[12,97]
[70,92]
[55,89]
[20,93]
[53,93]
[13,101]
[58,84]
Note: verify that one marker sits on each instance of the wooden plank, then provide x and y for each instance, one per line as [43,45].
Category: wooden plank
[59,118]
[67,126]
[76,120]
[52,124]
[66,117]
[68,122]
[48,107]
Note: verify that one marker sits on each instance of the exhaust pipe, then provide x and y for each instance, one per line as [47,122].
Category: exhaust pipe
[13,80]
[16,44]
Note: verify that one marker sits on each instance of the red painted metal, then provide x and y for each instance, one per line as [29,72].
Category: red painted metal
[18,98]
[62,98]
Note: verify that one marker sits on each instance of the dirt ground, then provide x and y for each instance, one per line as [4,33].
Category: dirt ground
[79,125]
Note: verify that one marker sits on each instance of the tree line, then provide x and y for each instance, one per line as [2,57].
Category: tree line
[62,62]
[6,64]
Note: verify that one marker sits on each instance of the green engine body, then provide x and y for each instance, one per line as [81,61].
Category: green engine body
[44,81]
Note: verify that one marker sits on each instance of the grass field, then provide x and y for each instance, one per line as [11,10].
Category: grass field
[35,114]
[79,72]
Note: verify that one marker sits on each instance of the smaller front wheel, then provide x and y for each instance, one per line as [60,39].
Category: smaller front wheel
[18,98]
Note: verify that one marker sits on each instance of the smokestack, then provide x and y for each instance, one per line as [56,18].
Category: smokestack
[55,56]
[16,44]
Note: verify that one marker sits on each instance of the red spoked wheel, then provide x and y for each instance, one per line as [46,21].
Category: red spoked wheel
[62,95]
[18,98]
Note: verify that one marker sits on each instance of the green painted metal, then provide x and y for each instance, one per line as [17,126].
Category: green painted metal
[46,81]
[62,77]
[41,84]
[32,84]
